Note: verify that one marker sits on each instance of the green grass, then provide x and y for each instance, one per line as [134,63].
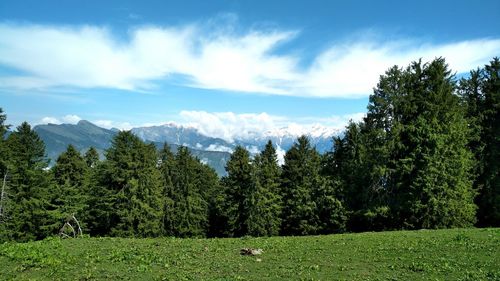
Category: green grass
[458,254]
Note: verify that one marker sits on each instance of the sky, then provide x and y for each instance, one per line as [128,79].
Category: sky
[245,65]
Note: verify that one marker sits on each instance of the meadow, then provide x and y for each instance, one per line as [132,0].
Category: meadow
[454,254]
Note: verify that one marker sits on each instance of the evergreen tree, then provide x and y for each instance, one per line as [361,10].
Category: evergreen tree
[489,200]
[209,187]
[91,157]
[265,202]
[187,210]
[432,186]
[99,201]
[357,176]
[27,218]
[481,96]
[300,178]
[130,174]
[238,192]
[70,175]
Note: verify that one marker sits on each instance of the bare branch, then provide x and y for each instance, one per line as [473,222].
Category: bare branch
[2,195]
[78,224]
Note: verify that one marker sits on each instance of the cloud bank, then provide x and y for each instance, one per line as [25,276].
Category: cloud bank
[67,119]
[231,126]
[95,57]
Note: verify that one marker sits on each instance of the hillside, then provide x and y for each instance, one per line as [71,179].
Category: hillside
[456,254]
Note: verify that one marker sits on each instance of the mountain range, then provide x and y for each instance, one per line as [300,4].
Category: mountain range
[213,151]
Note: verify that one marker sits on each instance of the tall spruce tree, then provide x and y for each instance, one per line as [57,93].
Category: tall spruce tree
[187,212]
[71,176]
[431,181]
[300,178]
[265,205]
[480,93]
[239,188]
[99,199]
[91,157]
[27,218]
[131,176]
[356,175]
[489,200]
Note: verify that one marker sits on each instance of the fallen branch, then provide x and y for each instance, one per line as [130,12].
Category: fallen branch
[67,225]
[80,232]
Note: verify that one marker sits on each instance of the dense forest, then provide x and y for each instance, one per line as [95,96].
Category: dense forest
[425,156]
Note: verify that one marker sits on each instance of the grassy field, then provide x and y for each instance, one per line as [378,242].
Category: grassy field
[462,254]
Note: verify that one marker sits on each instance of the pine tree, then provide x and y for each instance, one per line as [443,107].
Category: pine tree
[70,175]
[187,210]
[91,157]
[238,189]
[481,95]
[100,201]
[490,194]
[130,174]
[27,218]
[265,206]
[432,186]
[300,178]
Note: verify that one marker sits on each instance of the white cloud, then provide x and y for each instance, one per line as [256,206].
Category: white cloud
[71,119]
[213,58]
[68,119]
[50,120]
[230,126]
[108,124]
[252,149]
[221,148]
[353,69]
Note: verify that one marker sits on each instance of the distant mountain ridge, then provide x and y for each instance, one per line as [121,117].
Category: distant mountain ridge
[84,135]
[284,138]
[213,151]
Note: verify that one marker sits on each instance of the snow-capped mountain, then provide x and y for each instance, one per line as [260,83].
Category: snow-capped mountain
[209,149]
[283,138]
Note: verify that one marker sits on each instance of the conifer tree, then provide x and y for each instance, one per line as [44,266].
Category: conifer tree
[489,200]
[187,212]
[91,157]
[480,93]
[70,175]
[99,209]
[432,186]
[239,188]
[131,176]
[265,202]
[28,186]
[300,178]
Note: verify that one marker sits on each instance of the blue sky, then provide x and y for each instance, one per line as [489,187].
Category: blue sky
[245,64]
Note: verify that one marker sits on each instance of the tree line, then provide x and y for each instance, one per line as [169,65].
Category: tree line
[425,156]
